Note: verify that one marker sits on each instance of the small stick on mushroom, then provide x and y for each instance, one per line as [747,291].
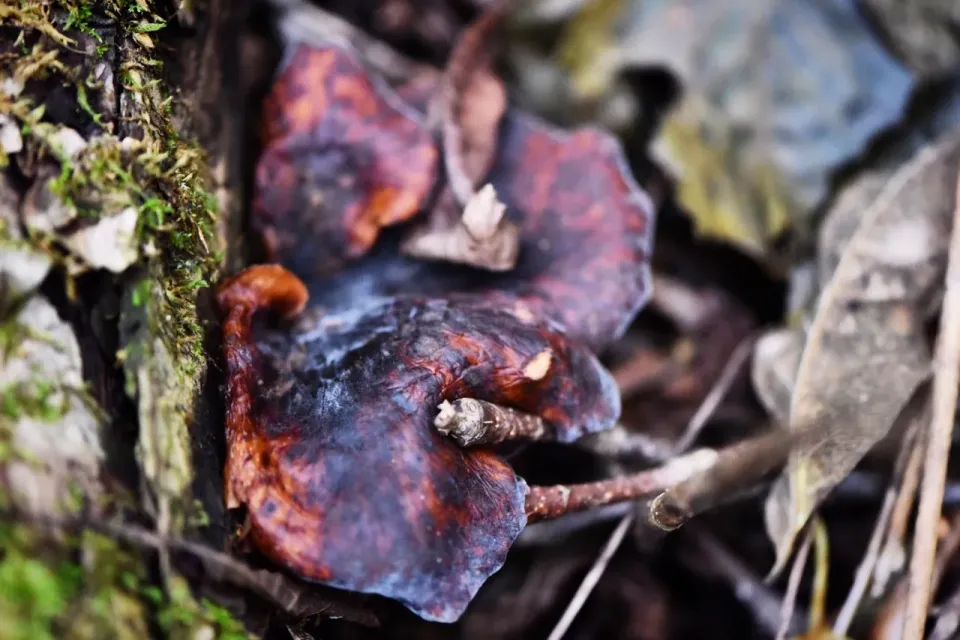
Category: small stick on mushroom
[474,422]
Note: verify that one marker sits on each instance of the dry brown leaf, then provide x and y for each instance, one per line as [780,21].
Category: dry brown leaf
[776,357]
[469,105]
[866,351]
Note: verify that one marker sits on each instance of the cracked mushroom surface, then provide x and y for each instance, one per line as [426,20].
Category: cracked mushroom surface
[339,355]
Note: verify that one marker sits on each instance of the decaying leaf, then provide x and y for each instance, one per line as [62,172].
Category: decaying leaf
[467,106]
[866,351]
[49,428]
[331,443]
[923,32]
[482,237]
[778,94]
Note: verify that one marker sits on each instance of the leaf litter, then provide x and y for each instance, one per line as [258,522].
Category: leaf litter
[866,350]
[431,232]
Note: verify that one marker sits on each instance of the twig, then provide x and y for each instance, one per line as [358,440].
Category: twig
[620,443]
[890,620]
[737,468]
[592,578]
[715,396]
[892,555]
[555,532]
[547,502]
[793,586]
[476,422]
[686,465]
[273,587]
[945,381]
[908,458]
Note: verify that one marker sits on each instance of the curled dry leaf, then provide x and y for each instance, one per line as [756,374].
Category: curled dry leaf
[482,238]
[866,350]
[467,105]
[330,434]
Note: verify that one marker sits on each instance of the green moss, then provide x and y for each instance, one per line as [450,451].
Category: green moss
[37,399]
[88,586]
[164,176]
[45,593]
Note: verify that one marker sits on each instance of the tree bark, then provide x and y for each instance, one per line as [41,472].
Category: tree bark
[120,201]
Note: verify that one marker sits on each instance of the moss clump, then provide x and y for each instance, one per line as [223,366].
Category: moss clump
[162,174]
[82,588]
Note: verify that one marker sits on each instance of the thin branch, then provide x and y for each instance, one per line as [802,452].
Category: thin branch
[945,381]
[592,578]
[715,396]
[685,464]
[908,458]
[474,422]
[892,555]
[547,502]
[736,469]
[793,586]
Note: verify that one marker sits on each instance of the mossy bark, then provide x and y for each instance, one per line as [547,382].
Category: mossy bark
[119,206]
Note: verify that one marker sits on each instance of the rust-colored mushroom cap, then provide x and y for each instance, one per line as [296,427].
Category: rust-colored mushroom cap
[330,405]
[343,158]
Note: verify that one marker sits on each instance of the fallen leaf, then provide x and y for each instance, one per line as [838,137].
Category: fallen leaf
[482,237]
[469,104]
[778,95]
[921,32]
[866,351]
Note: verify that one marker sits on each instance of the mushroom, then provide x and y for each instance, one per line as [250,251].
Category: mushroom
[333,392]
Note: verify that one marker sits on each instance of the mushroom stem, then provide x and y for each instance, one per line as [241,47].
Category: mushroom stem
[476,422]
[544,503]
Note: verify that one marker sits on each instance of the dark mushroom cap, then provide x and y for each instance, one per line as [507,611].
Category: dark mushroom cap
[330,437]
[333,452]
